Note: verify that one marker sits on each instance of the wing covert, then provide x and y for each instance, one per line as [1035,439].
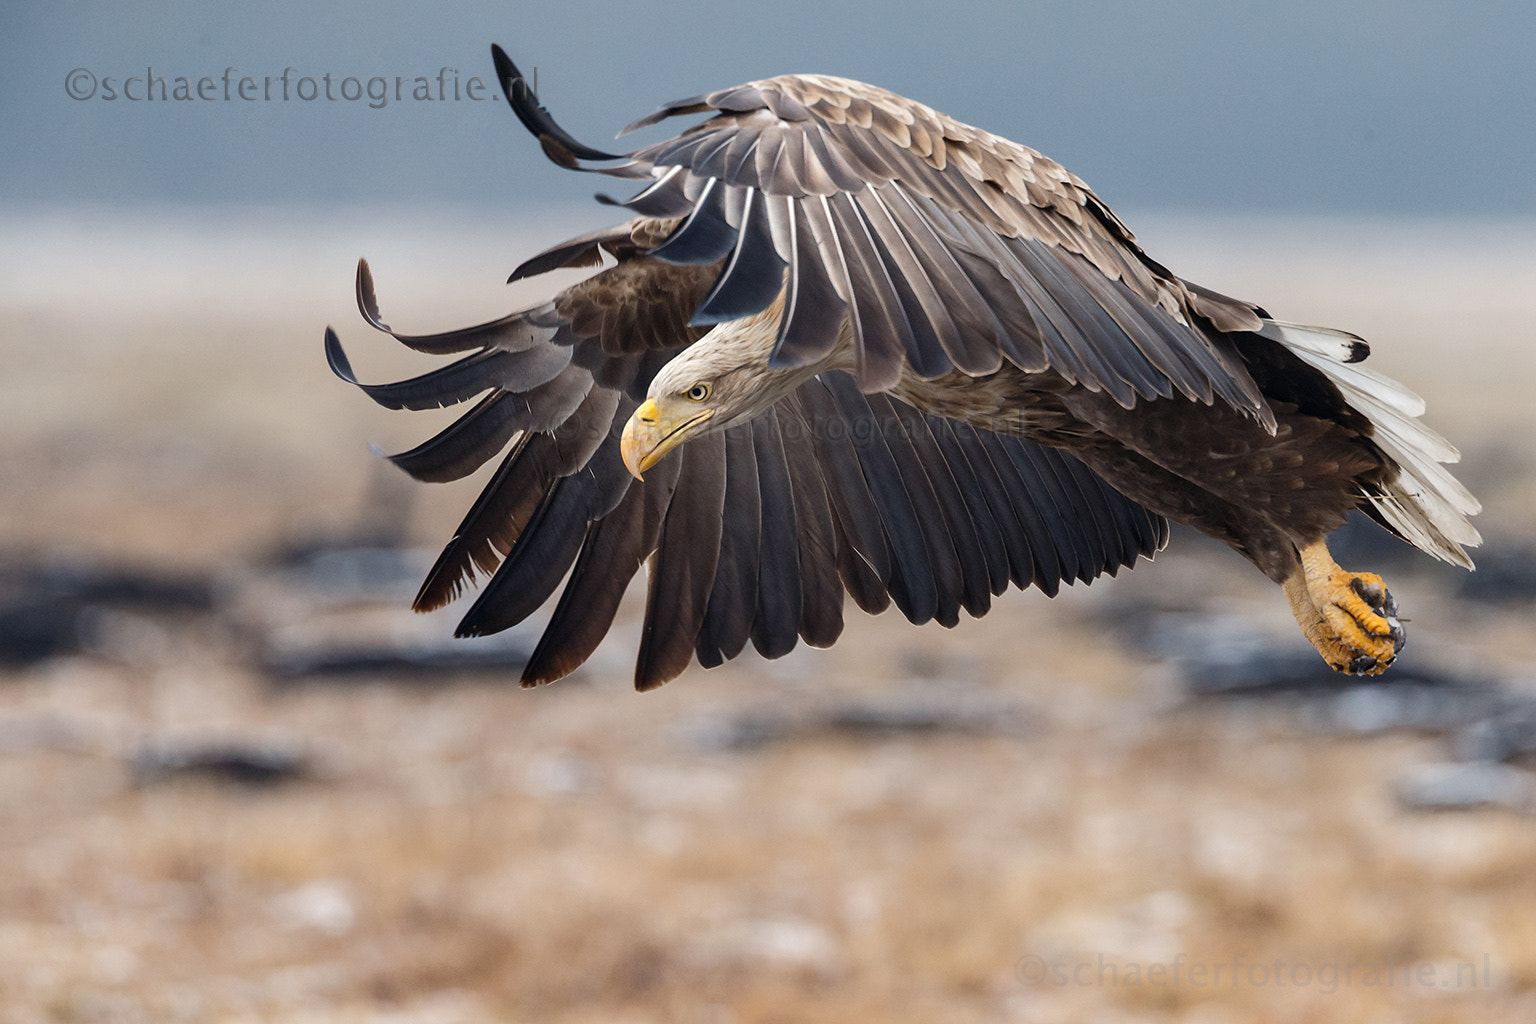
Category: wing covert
[950,247]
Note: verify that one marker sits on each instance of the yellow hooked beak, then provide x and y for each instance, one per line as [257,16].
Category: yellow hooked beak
[651,433]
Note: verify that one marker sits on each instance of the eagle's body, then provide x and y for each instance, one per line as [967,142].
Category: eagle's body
[897,357]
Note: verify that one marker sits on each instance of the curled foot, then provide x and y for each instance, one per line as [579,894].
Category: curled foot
[1350,617]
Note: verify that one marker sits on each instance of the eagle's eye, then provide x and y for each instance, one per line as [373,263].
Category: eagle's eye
[697,393]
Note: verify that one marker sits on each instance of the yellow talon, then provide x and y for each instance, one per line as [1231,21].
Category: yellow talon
[1350,617]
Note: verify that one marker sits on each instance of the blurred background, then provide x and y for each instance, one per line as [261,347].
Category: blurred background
[240,781]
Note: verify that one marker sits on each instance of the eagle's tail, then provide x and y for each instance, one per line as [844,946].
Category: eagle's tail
[1425,504]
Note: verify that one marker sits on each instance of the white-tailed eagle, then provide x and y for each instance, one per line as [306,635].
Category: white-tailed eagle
[849,346]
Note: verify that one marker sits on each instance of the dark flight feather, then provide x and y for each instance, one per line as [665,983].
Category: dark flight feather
[948,576]
[582,251]
[544,552]
[821,591]
[974,591]
[691,105]
[1039,489]
[466,444]
[683,566]
[912,582]
[974,489]
[777,622]
[460,380]
[509,333]
[928,321]
[753,275]
[706,236]
[856,507]
[884,336]
[732,606]
[863,559]
[615,548]
[1011,535]
[813,313]
[533,115]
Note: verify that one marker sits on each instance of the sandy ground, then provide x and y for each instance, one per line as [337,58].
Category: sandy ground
[466,851]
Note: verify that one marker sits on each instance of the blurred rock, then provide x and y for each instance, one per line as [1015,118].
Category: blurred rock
[1406,698]
[47,608]
[1262,668]
[343,612]
[141,589]
[1456,787]
[1225,646]
[1433,706]
[36,631]
[242,765]
[401,659]
[353,572]
[877,717]
[1506,733]
[48,732]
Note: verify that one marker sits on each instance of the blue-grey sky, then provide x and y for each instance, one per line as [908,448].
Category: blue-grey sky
[1390,106]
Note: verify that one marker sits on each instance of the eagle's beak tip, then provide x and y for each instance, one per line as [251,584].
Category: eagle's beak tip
[633,447]
[650,434]
[632,458]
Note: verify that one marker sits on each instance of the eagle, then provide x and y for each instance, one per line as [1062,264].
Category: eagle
[846,346]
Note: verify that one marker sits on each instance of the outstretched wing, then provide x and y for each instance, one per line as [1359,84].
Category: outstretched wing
[753,535]
[946,247]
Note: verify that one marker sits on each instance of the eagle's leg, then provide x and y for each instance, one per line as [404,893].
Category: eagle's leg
[1349,616]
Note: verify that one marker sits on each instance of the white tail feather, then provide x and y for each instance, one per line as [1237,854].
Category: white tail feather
[1426,504]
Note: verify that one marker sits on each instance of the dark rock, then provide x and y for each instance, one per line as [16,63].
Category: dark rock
[1435,707]
[1261,669]
[45,606]
[35,631]
[358,573]
[411,661]
[1505,733]
[251,766]
[874,718]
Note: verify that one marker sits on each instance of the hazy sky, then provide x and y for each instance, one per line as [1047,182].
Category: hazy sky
[1400,106]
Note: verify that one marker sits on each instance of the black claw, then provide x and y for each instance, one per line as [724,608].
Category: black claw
[1372,594]
[1387,609]
[1362,664]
